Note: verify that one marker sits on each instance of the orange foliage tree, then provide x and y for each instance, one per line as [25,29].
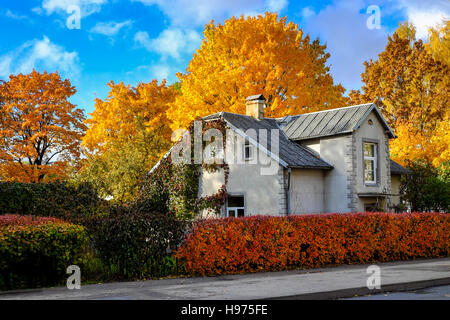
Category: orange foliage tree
[411,85]
[40,130]
[247,56]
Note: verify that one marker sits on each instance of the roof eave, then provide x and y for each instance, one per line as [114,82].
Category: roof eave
[312,167]
[321,136]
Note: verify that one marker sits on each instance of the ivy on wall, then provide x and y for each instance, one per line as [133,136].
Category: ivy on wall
[175,187]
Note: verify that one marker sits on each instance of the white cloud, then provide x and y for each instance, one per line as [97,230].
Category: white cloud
[87,7]
[41,55]
[307,12]
[423,20]
[5,66]
[161,71]
[14,16]
[425,14]
[158,70]
[197,13]
[276,5]
[171,42]
[110,28]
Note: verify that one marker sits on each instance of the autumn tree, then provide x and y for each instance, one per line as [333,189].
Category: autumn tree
[40,130]
[127,134]
[411,87]
[439,44]
[247,56]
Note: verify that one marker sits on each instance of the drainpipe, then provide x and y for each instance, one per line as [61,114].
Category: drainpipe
[288,196]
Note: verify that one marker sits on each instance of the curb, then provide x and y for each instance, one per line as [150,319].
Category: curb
[352,292]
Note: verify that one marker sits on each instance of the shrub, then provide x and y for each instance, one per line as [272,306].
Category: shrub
[257,243]
[427,188]
[134,243]
[35,251]
[48,199]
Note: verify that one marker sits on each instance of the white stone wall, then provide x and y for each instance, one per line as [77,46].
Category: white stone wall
[336,150]
[264,194]
[307,191]
[314,145]
[395,189]
[345,152]
[372,133]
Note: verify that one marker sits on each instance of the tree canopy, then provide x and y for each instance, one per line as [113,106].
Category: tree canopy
[40,130]
[128,132]
[410,83]
[255,55]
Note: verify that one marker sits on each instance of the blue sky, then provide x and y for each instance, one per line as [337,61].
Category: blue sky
[139,40]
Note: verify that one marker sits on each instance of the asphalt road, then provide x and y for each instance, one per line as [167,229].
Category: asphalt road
[322,283]
[434,293]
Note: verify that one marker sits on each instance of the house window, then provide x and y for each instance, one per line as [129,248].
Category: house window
[370,163]
[370,207]
[248,151]
[235,206]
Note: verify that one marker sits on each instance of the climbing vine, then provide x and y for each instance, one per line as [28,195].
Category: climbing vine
[175,187]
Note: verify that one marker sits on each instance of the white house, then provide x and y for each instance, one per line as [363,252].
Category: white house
[329,161]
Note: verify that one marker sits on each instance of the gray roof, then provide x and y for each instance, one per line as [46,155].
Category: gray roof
[329,122]
[398,168]
[302,127]
[291,153]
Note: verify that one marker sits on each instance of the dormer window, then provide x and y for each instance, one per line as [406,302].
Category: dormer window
[370,163]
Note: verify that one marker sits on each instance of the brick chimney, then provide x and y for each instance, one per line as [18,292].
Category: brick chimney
[254,106]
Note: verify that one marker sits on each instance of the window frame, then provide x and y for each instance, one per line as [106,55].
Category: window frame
[248,146]
[375,159]
[228,209]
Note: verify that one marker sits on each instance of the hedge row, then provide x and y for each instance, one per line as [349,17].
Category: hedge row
[54,199]
[135,244]
[257,243]
[36,251]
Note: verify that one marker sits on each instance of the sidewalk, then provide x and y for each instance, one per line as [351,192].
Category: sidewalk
[324,283]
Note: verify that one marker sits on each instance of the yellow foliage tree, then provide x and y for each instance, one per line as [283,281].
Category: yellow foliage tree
[127,133]
[412,90]
[439,44]
[40,130]
[247,56]
[121,114]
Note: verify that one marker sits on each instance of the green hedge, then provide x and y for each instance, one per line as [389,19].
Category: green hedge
[49,199]
[35,251]
[135,244]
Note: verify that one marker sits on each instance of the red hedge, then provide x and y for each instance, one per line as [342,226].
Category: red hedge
[18,220]
[260,243]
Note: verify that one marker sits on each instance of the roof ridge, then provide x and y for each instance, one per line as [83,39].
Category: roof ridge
[221,113]
[334,109]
